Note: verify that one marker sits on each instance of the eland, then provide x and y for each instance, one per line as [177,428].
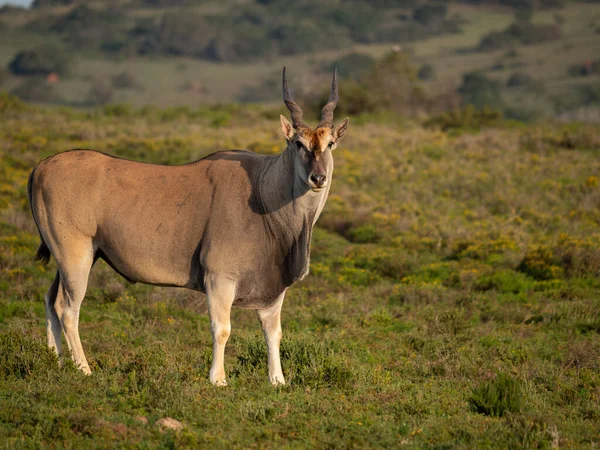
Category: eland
[234,225]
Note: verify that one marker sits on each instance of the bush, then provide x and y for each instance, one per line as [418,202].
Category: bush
[353,65]
[50,3]
[520,32]
[21,356]
[391,85]
[426,72]
[125,80]
[85,26]
[430,13]
[42,60]
[35,89]
[177,33]
[99,94]
[584,69]
[480,91]
[524,81]
[495,398]
[541,263]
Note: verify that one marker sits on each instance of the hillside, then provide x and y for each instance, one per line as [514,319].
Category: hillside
[453,300]
[207,52]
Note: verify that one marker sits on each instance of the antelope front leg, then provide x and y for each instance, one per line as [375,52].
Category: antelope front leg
[220,292]
[270,320]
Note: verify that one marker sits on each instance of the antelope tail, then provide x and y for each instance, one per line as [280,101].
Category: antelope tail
[43,252]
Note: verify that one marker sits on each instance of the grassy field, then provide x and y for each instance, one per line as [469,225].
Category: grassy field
[453,301]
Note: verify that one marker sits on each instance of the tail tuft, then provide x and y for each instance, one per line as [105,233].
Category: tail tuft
[43,253]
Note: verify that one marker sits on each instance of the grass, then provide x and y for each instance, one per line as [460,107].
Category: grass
[453,300]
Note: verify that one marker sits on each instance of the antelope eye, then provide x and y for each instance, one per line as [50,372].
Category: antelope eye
[330,144]
[300,146]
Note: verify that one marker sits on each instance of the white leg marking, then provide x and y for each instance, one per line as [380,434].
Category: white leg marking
[270,320]
[53,327]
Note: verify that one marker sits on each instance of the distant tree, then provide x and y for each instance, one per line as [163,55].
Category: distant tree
[391,85]
[480,91]
[353,65]
[85,26]
[430,13]
[100,93]
[42,60]
[125,80]
[426,72]
[553,3]
[51,3]
[520,32]
[35,89]
[177,33]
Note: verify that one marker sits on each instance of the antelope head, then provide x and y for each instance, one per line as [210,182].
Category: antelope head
[312,148]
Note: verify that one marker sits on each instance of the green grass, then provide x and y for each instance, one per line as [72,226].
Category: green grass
[453,300]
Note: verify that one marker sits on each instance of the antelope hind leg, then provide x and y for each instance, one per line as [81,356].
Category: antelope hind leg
[53,326]
[74,272]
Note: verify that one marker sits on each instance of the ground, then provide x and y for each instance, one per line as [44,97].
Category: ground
[453,300]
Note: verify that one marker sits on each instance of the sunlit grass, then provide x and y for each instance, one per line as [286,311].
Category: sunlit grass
[442,260]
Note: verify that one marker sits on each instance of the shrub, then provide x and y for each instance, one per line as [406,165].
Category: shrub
[520,32]
[353,65]
[391,85]
[41,60]
[584,69]
[541,263]
[363,234]
[99,94]
[480,91]
[50,3]
[495,398]
[426,72]
[177,33]
[35,89]
[125,80]
[430,13]
[467,117]
[23,356]
[86,26]
[518,79]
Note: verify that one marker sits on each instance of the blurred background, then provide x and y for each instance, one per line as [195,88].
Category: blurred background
[524,59]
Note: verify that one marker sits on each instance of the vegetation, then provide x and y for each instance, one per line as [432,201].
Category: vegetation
[453,300]
[521,32]
[193,52]
[42,60]
[247,31]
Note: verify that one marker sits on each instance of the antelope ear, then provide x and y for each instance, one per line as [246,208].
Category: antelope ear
[286,127]
[340,130]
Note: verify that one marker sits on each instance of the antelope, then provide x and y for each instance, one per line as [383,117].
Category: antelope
[234,225]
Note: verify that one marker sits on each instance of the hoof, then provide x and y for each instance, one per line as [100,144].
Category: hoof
[219,383]
[277,381]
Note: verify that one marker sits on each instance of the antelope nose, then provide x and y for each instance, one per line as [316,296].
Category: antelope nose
[318,179]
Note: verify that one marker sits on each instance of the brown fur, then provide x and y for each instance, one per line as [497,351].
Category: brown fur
[235,225]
